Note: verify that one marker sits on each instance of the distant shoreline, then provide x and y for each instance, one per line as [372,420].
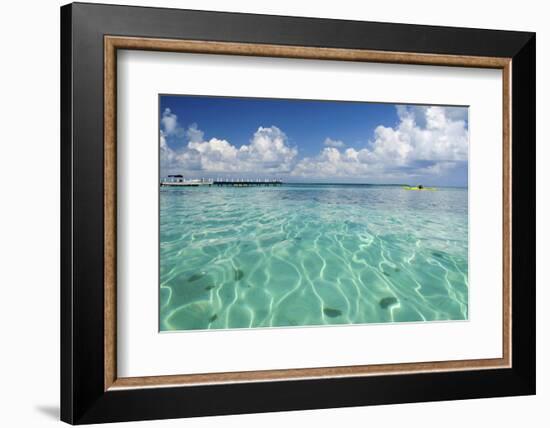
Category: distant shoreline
[295,183]
[371,185]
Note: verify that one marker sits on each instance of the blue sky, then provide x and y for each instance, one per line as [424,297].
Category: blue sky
[321,141]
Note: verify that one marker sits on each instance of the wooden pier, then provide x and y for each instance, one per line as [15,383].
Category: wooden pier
[179,181]
[247,183]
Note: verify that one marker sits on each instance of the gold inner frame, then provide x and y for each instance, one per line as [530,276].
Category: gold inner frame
[113,43]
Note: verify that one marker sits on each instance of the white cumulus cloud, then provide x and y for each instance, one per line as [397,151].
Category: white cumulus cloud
[426,140]
[194,134]
[332,162]
[169,122]
[268,151]
[329,142]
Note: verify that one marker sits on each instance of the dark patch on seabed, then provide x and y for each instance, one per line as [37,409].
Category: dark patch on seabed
[387,301]
[333,313]
[196,276]
[396,269]
[238,274]
[213,318]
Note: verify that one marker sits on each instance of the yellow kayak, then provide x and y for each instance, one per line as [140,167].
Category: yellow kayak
[418,188]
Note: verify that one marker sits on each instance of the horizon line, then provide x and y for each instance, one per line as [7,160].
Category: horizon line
[337,183]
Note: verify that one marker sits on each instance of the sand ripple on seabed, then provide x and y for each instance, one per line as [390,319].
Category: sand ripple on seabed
[297,256]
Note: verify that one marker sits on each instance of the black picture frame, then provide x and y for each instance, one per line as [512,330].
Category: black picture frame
[83,398]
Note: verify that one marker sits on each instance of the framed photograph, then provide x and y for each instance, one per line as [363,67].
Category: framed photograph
[266,213]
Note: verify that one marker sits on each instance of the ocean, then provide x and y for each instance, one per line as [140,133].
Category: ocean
[311,255]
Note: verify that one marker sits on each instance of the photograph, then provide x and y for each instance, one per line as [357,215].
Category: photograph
[299,213]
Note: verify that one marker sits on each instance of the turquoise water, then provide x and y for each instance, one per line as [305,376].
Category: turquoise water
[300,255]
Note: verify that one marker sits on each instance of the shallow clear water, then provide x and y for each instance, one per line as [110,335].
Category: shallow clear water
[301,255]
